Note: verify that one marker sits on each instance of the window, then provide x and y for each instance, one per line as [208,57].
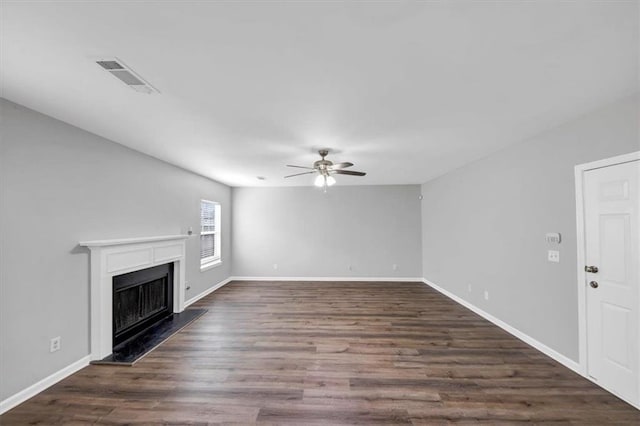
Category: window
[209,233]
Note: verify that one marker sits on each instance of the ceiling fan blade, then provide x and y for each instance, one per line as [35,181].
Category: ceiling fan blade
[341,165]
[299,174]
[300,167]
[348,172]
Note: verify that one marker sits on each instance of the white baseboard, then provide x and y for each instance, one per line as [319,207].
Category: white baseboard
[207,291]
[43,384]
[567,362]
[371,279]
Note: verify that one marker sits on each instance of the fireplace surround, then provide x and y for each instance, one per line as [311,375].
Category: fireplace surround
[110,258]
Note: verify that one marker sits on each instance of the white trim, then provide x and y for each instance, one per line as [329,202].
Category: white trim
[372,279]
[207,262]
[567,362]
[119,241]
[582,309]
[43,384]
[207,292]
[619,159]
[210,265]
[579,171]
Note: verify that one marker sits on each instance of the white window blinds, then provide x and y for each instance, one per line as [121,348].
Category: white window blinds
[209,232]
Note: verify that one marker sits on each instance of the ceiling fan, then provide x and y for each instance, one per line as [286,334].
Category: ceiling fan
[324,169]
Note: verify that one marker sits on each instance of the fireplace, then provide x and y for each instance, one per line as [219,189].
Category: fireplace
[112,258]
[141,299]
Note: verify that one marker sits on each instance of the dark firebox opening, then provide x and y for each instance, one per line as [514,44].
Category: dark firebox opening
[141,299]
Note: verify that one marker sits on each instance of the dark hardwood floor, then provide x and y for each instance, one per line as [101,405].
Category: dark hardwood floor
[330,353]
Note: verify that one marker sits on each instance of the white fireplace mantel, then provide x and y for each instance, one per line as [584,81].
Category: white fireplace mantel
[120,256]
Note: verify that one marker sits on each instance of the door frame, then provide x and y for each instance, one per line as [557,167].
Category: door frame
[580,170]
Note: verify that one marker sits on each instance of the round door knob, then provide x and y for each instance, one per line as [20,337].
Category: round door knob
[593,284]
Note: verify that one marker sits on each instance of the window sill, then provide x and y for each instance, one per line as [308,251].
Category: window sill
[210,265]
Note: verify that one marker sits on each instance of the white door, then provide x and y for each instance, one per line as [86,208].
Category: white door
[611,213]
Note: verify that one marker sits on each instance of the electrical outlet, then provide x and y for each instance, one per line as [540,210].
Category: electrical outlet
[486,295]
[54,344]
[553,256]
[275,266]
[394,267]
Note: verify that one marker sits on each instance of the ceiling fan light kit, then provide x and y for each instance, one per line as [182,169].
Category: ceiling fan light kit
[324,169]
[324,180]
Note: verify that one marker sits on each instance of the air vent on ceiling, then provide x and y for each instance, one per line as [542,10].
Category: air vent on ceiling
[110,65]
[125,74]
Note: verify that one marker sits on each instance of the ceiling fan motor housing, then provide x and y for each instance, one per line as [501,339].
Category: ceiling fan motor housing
[325,168]
[322,164]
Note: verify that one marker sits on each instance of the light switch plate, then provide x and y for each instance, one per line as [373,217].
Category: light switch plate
[553,256]
[553,238]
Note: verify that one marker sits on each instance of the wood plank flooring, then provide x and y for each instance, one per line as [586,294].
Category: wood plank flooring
[330,353]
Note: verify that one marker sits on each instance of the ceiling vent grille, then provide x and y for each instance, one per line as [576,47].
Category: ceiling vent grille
[122,72]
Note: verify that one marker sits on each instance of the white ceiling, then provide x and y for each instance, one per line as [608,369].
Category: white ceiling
[406,91]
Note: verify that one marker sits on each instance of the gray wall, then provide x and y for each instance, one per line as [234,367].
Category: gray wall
[484,224]
[312,234]
[60,185]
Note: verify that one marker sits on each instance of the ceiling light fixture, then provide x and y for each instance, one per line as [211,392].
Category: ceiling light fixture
[324,180]
[325,168]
